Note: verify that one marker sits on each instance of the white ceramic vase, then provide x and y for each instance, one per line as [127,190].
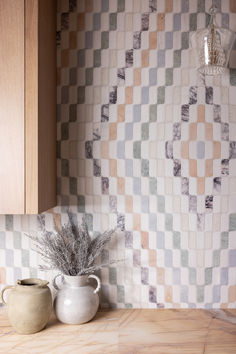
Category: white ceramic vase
[76,301]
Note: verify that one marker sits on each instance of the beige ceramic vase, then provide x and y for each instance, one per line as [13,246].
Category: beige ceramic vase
[29,305]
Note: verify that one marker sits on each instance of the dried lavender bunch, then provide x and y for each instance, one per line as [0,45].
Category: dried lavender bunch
[71,249]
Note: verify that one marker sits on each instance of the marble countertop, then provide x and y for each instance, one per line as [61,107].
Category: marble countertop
[130,331]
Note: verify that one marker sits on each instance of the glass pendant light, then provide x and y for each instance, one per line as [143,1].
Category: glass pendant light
[213,46]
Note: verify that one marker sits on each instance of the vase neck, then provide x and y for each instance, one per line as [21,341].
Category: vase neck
[31,283]
[77,280]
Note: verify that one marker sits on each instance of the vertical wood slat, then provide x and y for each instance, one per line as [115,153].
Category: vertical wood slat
[40,88]
[12,107]
[31,106]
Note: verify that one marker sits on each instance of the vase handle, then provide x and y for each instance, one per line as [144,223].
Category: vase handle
[98,281]
[2,292]
[54,283]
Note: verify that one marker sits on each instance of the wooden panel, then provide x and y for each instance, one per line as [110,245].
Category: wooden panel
[47,104]
[40,105]
[12,106]
[31,105]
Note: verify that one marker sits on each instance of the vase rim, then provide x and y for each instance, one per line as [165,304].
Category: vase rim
[75,276]
[32,282]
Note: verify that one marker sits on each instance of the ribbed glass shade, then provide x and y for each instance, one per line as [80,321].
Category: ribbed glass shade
[212,46]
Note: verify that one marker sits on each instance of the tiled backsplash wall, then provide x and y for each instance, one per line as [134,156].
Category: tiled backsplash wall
[145,144]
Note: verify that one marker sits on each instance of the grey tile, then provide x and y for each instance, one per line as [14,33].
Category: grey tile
[160,240]
[144,275]
[145,131]
[177,168]
[232,258]
[169,149]
[73,185]
[144,168]
[73,76]
[81,58]
[225,167]
[72,112]
[121,6]
[128,131]
[105,40]
[113,203]
[89,40]
[97,58]
[97,168]
[105,185]
[64,168]
[169,76]
[137,149]
[137,40]
[113,95]
[224,276]
[184,40]
[161,58]
[120,150]
[137,186]
[161,204]
[96,21]
[89,76]
[65,94]
[193,95]
[168,258]
[184,6]
[177,58]
[152,185]
[225,131]
[121,222]
[152,76]
[176,131]
[128,239]
[177,22]
[200,149]
[217,113]
[137,113]
[81,204]
[145,21]
[145,95]
[9,222]
[81,95]
[129,58]
[193,22]
[105,113]
[113,21]
[129,168]
[185,112]
[217,184]
[169,40]
[216,293]
[152,294]
[161,95]
[209,95]
[2,240]
[168,222]
[145,204]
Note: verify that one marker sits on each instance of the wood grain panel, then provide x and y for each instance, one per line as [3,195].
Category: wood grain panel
[47,105]
[31,104]
[12,107]
[40,68]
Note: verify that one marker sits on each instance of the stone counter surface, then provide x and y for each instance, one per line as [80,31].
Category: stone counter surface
[131,331]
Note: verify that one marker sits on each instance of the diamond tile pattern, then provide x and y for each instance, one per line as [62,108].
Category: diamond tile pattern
[147,145]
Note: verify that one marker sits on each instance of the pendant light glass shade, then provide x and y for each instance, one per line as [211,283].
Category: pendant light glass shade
[212,46]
